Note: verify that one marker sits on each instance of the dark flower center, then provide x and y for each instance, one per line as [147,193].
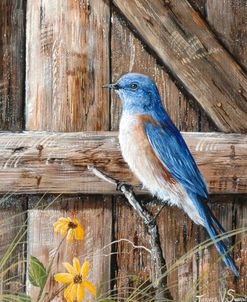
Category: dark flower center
[77,279]
[72,225]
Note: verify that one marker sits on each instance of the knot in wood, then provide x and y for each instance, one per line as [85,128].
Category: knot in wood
[39,147]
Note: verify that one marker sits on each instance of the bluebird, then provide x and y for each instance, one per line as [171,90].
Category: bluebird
[158,155]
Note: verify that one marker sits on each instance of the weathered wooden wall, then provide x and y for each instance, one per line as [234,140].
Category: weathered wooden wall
[72,48]
[12,69]
[67,64]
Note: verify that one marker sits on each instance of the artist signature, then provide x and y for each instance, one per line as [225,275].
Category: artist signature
[227,296]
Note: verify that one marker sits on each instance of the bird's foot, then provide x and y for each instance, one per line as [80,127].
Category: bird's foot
[120,184]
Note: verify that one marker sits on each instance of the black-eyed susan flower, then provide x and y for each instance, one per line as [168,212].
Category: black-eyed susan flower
[69,226]
[76,278]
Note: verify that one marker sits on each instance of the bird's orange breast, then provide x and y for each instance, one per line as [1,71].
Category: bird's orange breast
[138,152]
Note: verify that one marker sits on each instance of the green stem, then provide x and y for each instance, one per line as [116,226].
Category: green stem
[40,296]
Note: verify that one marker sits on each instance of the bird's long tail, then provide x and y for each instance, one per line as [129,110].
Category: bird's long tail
[215,229]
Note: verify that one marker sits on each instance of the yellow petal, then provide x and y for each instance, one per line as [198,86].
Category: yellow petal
[76,265]
[85,269]
[70,268]
[70,235]
[80,292]
[70,292]
[75,221]
[79,232]
[89,286]
[64,277]
[64,230]
[58,227]
[57,223]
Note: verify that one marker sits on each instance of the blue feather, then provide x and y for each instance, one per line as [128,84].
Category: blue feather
[173,152]
[211,225]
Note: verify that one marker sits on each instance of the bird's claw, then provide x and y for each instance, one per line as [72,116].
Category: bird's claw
[120,184]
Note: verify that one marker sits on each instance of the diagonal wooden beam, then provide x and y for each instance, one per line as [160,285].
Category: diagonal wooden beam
[185,44]
[38,162]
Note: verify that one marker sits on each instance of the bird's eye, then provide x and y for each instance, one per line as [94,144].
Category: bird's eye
[133,86]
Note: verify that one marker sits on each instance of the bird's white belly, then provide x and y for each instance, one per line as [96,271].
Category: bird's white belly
[134,146]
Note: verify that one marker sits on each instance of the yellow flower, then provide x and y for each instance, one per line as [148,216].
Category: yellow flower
[76,278]
[69,226]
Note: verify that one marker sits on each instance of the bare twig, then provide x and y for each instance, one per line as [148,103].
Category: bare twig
[150,222]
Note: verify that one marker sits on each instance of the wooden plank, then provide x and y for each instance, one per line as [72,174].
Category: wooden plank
[67,64]
[228,20]
[13,227]
[67,60]
[12,55]
[36,162]
[12,209]
[185,44]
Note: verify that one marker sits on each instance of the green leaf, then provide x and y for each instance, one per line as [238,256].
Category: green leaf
[37,274]
[15,298]
[107,300]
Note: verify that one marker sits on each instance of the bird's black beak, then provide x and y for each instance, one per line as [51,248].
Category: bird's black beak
[111,86]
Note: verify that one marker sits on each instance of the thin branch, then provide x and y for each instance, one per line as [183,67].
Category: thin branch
[150,222]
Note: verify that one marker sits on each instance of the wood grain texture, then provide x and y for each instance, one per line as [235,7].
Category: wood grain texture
[67,64]
[35,162]
[185,44]
[13,229]
[130,55]
[228,20]
[12,56]
[12,74]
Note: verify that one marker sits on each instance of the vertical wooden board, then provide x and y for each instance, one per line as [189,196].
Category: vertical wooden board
[229,21]
[133,259]
[213,273]
[12,74]
[239,211]
[67,64]
[95,214]
[12,58]
[178,235]
[12,230]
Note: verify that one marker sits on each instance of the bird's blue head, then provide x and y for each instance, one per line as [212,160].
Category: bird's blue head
[138,92]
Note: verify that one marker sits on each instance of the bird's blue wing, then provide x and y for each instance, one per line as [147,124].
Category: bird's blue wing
[171,149]
[173,152]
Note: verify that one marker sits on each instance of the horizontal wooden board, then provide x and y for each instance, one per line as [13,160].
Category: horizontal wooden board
[35,162]
[182,40]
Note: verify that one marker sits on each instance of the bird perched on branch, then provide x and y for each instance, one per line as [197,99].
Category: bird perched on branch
[158,155]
